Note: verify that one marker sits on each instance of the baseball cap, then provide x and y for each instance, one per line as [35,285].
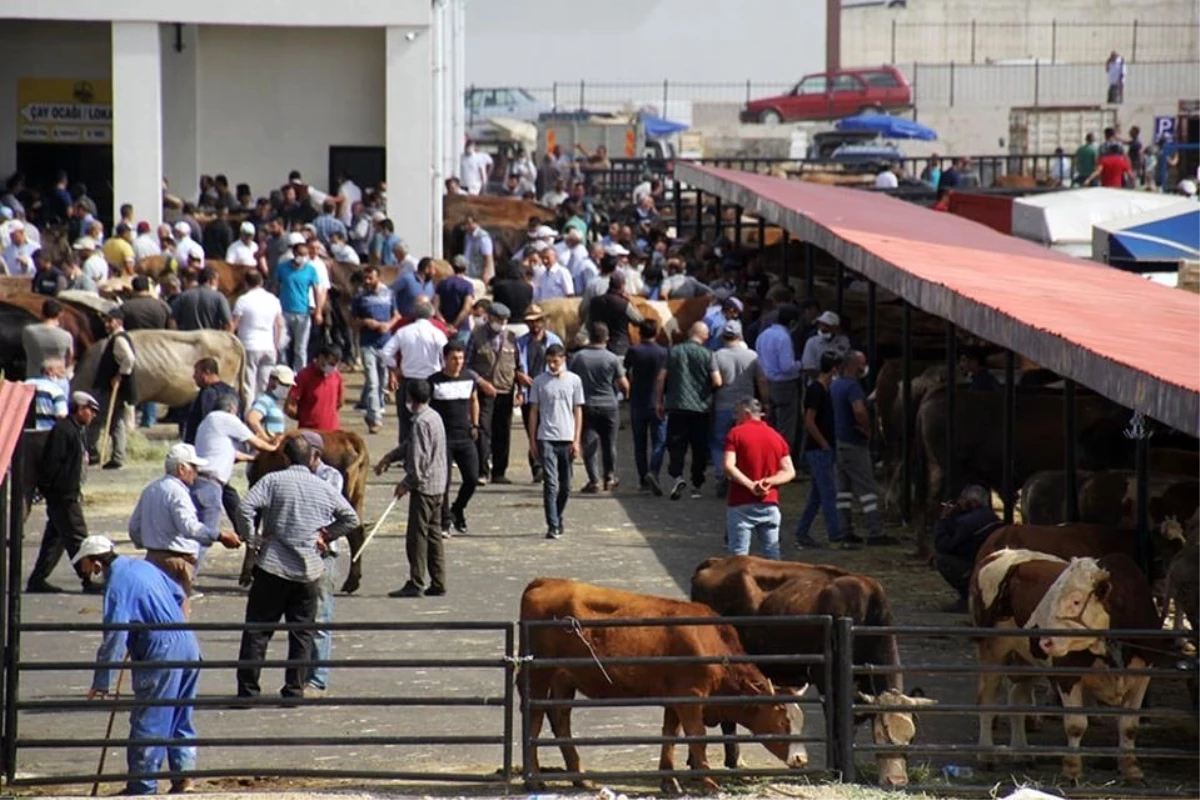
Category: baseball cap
[533,312]
[295,238]
[186,454]
[94,545]
[829,318]
[182,227]
[83,399]
[499,310]
[616,250]
[460,262]
[546,232]
[84,243]
[143,227]
[247,228]
[283,375]
[314,440]
[732,330]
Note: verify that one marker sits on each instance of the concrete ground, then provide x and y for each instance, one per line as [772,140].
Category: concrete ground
[621,539]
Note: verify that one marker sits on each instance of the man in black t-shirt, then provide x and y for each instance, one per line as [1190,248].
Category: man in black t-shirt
[643,362]
[456,399]
[819,454]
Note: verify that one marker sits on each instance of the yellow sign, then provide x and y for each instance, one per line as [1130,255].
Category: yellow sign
[64,111]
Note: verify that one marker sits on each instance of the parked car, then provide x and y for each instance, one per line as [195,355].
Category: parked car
[832,95]
[504,101]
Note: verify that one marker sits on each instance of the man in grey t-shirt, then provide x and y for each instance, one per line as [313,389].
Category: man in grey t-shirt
[602,375]
[555,422]
[47,339]
[737,376]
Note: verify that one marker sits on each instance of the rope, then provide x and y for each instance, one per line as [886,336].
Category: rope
[577,628]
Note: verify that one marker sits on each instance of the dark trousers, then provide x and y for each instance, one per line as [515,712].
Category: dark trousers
[65,531]
[648,432]
[600,442]
[463,454]
[231,502]
[956,571]
[403,417]
[423,541]
[556,481]
[272,597]
[495,433]
[687,429]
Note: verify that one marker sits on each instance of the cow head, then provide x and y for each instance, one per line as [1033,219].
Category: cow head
[893,728]
[785,719]
[1076,600]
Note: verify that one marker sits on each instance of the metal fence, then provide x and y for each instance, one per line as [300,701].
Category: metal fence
[976,42]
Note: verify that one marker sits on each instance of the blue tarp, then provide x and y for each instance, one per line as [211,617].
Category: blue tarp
[1163,240]
[658,128]
[888,127]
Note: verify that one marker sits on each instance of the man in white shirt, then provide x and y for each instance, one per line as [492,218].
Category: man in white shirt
[555,197]
[887,179]
[219,439]
[414,352]
[258,323]
[145,244]
[350,193]
[17,257]
[340,251]
[243,252]
[575,258]
[94,264]
[185,245]
[405,261]
[555,281]
[476,168]
[1115,70]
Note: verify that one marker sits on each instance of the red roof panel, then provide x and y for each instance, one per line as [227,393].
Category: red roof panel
[14,404]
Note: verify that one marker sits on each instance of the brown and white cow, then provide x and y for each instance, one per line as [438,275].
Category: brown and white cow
[749,586]
[1027,589]
[346,452]
[557,599]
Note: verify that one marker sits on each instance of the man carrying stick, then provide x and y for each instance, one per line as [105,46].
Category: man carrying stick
[114,388]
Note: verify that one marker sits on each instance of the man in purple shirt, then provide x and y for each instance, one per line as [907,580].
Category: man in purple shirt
[453,297]
[410,285]
[777,357]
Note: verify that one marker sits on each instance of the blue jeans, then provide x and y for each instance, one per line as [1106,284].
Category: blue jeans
[648,429]
[149,415]
[299,326]
[752,519]
[722,423]
[323,639]
[374,381]
[556,481]
[822,494]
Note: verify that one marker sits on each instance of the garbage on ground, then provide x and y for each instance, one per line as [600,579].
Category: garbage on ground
[956,771]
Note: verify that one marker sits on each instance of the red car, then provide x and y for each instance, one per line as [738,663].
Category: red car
[833,95]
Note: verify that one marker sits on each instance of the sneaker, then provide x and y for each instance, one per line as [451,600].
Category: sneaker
[696,493]
[554,533]
[373,429]
[652,482]
[446,533]
[537,476]
[195,595]
[185,786]
[435,591]
[501,480]
[590,488]
[883,540]
[43,588]
[460,525]
[311,691]
[806,542]
[113,465]
[677,489]
[611,484]
[407,590]
[483,480]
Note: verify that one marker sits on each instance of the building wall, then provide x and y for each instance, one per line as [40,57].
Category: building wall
[1073,31]
[291,13]
[35,49]
[272,101]
[533,43]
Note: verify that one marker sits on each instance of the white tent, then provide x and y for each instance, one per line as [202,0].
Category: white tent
[1064,221]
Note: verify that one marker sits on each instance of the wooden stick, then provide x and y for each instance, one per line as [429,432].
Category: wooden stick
[112,404]
[108,730]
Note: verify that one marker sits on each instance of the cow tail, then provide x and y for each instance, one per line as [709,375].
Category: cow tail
[246,401]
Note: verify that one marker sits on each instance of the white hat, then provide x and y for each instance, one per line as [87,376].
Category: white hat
[537,245]
[84,243]
[183,227]
[378,216]
[573,235]
[94,545]
[283,375]
[83,399]
[16,225]
[546,232]
[829,318]
[615,249]
[248,228]
[185,454]
[295,238]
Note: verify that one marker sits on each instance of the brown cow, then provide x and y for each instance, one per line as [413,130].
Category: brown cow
[1022,588]
[674,317]
[505,218]
[556,599]
[749,586]
[346,452]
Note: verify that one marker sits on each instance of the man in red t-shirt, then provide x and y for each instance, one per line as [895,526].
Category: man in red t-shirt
[757,459]
[1112,168]
[318,392]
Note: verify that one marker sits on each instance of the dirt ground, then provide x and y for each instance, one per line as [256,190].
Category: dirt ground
[621,539]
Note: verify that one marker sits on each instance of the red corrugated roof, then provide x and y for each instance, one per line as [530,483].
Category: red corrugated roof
[1093,323]
[14,404]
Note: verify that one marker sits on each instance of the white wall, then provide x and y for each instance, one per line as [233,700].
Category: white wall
[272,101]
[181,164]
[533,43]
[46,50]
[291,13]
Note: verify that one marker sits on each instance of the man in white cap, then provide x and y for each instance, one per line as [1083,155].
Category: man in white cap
[139,592]
[88,253]
[829,337]
[243,252]
[185,245]
[165,524]
[60,473]
[17,257]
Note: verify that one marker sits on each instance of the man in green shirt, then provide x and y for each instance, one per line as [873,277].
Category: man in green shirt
[1085,159]
[684,394]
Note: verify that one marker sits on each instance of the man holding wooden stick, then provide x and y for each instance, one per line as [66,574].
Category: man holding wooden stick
[114,385]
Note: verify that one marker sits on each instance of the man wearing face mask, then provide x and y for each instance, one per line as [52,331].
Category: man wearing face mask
[319,392]
[829,338]
[136,591]
[854,471]
[265,418]
[492,353]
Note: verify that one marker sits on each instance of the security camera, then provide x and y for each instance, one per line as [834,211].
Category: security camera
[411,36]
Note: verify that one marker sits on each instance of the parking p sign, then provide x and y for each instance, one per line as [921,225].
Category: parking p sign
[1164,128]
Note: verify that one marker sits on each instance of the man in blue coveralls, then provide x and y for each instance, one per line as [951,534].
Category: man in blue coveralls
[137,591]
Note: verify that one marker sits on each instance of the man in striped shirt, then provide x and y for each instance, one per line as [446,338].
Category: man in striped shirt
[301,514]
[49,396]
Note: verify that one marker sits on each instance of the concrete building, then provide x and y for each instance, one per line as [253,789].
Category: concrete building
[127,93]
